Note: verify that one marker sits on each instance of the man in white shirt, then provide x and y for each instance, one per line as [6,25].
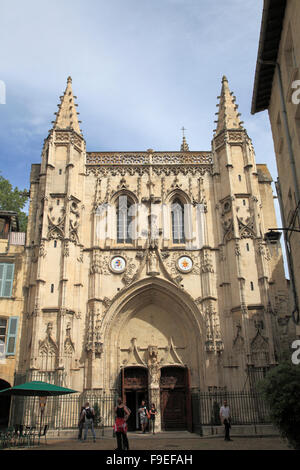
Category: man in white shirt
[225,419]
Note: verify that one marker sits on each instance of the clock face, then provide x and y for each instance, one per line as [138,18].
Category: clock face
[184,264]
[118,264]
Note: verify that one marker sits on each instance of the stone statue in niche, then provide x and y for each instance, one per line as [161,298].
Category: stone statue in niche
[152,263]
[153,365]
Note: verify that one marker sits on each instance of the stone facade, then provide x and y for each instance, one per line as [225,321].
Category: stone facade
[277,89]
[11,303]
[98,306]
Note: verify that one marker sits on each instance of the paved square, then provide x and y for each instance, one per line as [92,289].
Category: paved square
[167,441]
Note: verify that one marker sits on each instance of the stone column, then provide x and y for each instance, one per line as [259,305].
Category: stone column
[154,383]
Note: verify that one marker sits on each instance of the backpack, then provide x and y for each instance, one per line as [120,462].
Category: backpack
[88,413]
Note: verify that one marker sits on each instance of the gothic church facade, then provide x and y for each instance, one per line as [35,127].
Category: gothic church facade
[191,298]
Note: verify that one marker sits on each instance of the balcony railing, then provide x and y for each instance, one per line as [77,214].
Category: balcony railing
[17,238]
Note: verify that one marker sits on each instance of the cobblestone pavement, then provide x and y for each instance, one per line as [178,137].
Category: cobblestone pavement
[167,441]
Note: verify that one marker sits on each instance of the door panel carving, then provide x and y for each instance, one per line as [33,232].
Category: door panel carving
[173,398]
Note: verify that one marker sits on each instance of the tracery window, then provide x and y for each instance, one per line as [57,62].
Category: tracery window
[124,220]
[177,213]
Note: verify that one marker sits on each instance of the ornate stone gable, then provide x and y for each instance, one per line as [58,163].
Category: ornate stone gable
[69,345]
[48,346]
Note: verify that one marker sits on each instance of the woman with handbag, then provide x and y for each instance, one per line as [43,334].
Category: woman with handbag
[120,426]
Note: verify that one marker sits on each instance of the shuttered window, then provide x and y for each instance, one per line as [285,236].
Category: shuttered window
[3,324]
[6,279]
[8,336]
[12,336]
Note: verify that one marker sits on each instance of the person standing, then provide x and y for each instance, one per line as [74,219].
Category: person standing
[143,416]
[89,415]
[120,427]
[225,419]
[152,413]
[81,423]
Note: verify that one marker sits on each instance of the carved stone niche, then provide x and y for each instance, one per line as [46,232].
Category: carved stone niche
[152,263]
[226,205]
[69,346]
[48,346]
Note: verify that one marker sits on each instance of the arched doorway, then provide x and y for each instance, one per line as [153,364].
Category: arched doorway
[4,405]
[134,390]
[153,325]
[174,398]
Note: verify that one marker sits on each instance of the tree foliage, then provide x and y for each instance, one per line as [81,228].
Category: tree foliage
[281,389]
[12,199]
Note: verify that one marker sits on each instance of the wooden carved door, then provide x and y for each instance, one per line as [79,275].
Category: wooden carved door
[173,398]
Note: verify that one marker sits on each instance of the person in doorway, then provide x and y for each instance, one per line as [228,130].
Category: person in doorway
[143,412]
[89,415]
[226,419]
[120,427]
[153,413]
[81,423]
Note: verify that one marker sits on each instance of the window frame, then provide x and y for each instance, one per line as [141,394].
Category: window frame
[12,335]
[9,335]
[4,280]
[127,220]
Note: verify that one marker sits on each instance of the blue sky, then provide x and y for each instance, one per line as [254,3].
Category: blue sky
[141,69]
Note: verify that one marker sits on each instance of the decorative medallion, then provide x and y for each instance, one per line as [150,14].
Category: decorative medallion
[184,264]
[118,264]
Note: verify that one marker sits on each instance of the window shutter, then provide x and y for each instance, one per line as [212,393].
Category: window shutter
[7,280]
[12,336]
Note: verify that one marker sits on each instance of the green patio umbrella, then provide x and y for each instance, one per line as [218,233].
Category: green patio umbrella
[37,389]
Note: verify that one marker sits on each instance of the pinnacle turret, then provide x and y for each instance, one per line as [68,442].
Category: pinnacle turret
[228,116]
[66,116]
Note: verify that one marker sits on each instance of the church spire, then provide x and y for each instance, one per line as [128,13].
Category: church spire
[66,117]
[228,116]
[184,145]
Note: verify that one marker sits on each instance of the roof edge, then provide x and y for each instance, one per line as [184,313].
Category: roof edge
[264,23]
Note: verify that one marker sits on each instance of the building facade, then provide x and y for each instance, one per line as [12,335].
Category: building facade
[147,272]
[277,89]
[12,244]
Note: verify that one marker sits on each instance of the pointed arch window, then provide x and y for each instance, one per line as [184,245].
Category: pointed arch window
[177,211]
[124,219]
